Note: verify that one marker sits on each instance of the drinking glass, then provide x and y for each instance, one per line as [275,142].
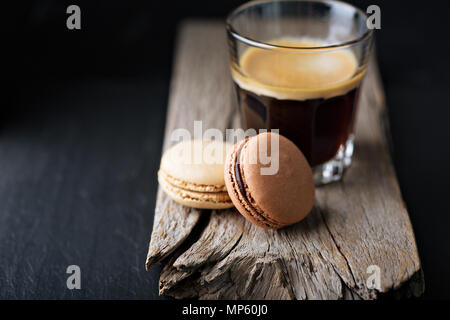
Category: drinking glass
[297,66]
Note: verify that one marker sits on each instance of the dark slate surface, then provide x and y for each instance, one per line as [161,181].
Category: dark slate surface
[78,171]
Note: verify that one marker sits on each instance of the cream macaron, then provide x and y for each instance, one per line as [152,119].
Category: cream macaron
[191,173]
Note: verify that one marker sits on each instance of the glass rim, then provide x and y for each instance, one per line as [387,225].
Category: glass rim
[265,45]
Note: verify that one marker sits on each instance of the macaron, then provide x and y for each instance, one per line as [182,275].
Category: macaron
[191,173]
[270,199]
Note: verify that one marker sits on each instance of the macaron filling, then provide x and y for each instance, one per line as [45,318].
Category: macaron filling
[237,174]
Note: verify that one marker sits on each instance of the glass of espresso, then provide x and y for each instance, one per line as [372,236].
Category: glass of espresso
[297,66]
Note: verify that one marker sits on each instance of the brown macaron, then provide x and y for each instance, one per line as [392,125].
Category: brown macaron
[270,194]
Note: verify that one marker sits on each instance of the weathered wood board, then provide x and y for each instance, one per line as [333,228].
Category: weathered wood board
[359,222]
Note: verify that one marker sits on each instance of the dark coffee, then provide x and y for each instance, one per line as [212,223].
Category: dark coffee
[311,97]
[319,127]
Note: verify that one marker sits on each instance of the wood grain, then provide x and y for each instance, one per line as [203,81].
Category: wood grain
[359,222]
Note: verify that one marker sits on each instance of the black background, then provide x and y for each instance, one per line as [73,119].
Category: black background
[82,123]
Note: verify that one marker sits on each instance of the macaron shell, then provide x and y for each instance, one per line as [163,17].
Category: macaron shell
[198,162]
[194,199]
[239,200]
[286,197]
